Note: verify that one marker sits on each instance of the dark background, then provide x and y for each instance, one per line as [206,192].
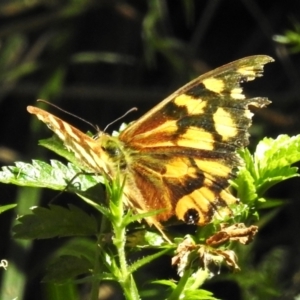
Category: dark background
[98,59]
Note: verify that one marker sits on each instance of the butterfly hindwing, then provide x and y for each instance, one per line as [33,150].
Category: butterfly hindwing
[191,188]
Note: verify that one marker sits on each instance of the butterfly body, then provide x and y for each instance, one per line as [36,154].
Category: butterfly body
[180,155]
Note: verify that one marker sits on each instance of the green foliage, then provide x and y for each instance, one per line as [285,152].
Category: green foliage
[56,221]
[4,208]
[64,268]
[55,175]
[290,38]
[104,257]
[157,43]
[12,65]
[265,272]
[188,286]
[271,163]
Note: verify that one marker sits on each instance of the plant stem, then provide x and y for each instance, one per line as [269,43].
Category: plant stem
[126,279]
[98,262]
[95,283]
[181,285]
[123,274]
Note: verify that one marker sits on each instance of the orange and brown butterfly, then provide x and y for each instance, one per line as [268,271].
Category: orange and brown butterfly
[180,155]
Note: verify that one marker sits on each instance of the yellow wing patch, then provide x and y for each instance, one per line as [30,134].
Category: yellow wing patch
[195,106]
[224,123]
[215,85]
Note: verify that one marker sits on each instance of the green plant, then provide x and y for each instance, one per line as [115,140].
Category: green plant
[105,256]
[291,38]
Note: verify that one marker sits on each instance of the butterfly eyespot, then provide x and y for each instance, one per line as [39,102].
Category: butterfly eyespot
[191,216]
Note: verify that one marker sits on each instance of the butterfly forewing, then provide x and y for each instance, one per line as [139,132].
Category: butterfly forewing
[86,149]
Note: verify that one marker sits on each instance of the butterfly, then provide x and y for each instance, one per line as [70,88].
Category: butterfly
[179,157]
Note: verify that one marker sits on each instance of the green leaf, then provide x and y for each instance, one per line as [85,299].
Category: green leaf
[245,185]
[169,283]
[199,295]
[102,209]
[66,267]
[188,286]
[56,221]
[131,217]
[21,70]
[4,208]
[106,57]
[146,260]
[142,239]
[154,239]
[75,251]
[270,164]
[61,291]
[273,160]
[290,38]
[78,246]
[56,176]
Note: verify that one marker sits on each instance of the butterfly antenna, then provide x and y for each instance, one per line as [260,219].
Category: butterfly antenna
[68,113]
[123,116]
